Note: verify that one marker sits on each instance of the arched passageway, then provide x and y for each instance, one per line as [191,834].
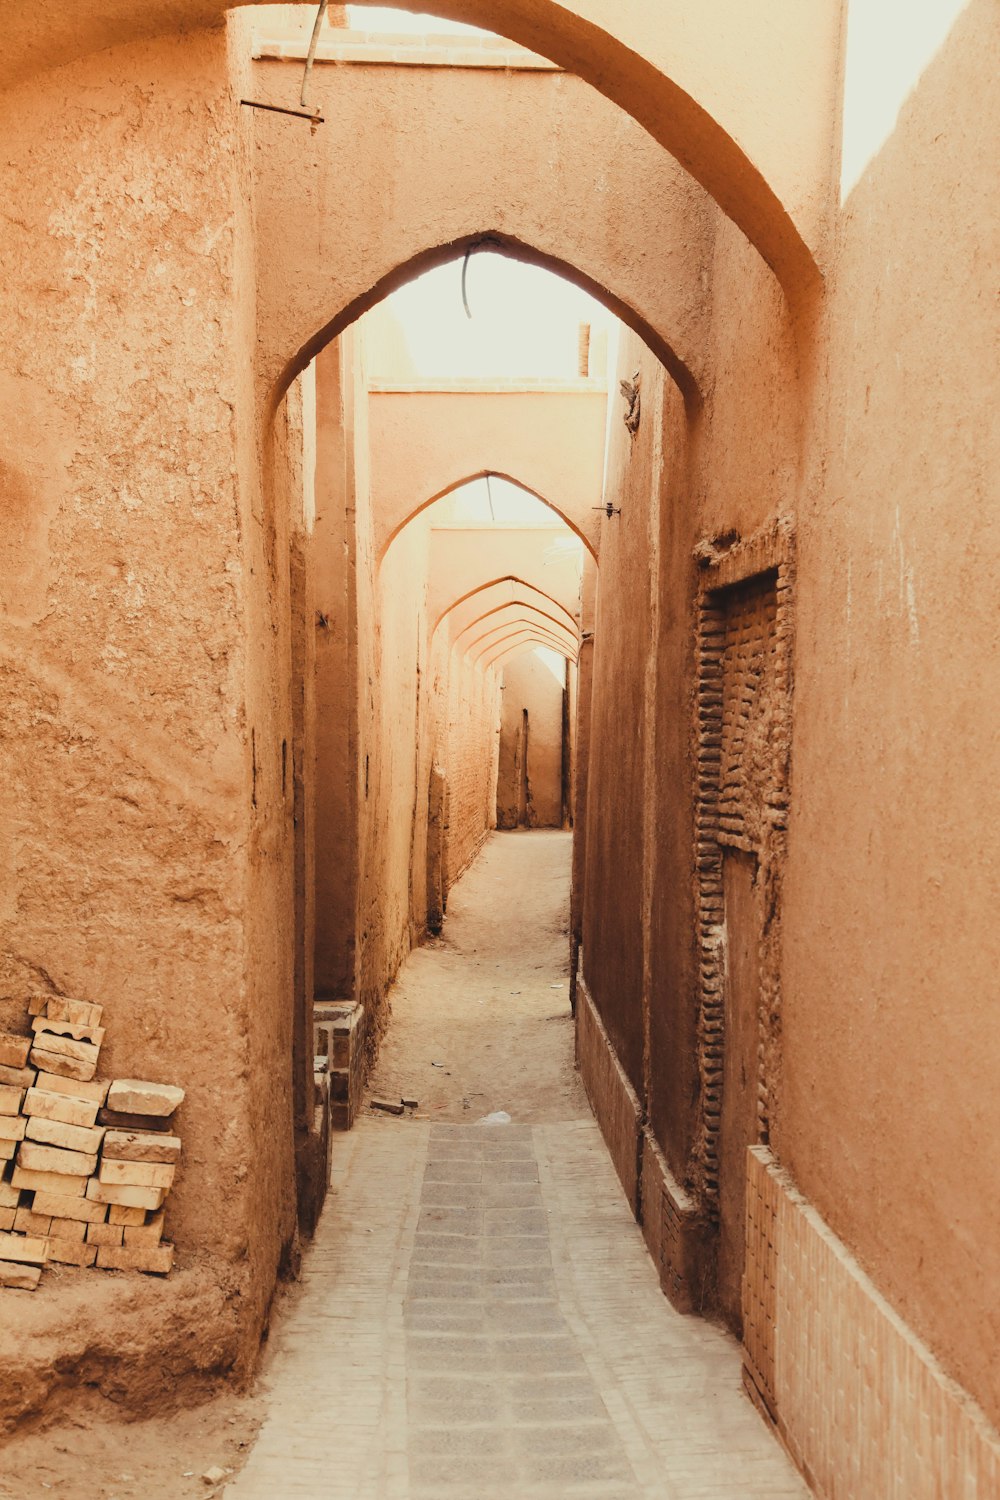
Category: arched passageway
[193,595]
[712,96]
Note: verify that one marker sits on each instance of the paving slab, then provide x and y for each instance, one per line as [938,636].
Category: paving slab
[478,1318]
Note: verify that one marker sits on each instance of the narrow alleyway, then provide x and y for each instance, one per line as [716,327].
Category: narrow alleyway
[478,1315]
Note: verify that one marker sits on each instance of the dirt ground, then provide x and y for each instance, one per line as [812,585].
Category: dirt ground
[480,1022]
[480,1016]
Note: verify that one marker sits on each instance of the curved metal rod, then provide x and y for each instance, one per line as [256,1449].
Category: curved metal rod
[311,54]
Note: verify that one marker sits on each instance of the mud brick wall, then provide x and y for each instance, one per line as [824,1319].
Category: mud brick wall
[743,751]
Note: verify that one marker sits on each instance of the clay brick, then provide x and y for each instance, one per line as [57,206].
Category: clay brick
[10,1196]
[46,1106]
[49,1182]
[19,1078]
[153,1259]
[72,1230]
[68,1137]
[116,1119]
[23,1248]
[94,1091]
[120,1213]
[125,1193]
[24,1278]
[8,1150]
[64,1046]
[14,1050]
[12,1127]
[64,1067]
[150,1233]
[26,1221]
[35,1158]
[79,1210]
[130,1145]
[7,1217]
[43,1027]
[133,1096]
[11,1099]
[136,1173]
[105,1234]
[58,1008]
[71,1253]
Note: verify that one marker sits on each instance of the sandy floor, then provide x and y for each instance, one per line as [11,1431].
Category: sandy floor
[480,1017]
[480,1022]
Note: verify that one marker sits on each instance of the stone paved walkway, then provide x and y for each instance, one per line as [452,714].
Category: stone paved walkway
[478,1318]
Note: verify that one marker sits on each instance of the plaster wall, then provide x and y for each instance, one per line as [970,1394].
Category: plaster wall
[548,439]
[530,773]
[891,947]
[621,708]
[465,557]
[879,448]
[746,100]
[335,751]
[470,737]
[135,577]
[578,184]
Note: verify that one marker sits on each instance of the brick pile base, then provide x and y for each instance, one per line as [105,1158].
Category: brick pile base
[85,1165]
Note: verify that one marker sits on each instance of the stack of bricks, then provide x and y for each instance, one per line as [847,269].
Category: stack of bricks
[339,1046]
[84,1165]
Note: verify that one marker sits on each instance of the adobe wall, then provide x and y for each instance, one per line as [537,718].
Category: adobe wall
[877,451]
[469,737]
[747,103]
[134,580]
[388,711]
[620,720]
[547,436]
[889,929]
[530,770]
[579,185]
[881,1066]
[147,653]
[388,628]
[335,751]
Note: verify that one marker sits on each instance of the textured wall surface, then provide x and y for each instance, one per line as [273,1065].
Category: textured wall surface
[530,772]
[864,1406]
[142,809]
[146,817]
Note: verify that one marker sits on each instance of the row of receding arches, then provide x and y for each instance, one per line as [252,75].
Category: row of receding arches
[337,267]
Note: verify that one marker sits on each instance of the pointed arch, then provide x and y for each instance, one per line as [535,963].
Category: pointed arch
[470,479]
[429,257]
[545,637]
[523,613]
[493,582]
[526,645]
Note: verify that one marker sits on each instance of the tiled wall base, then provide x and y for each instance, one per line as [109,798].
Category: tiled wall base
[612,1097]
[862,1405]
[678,1239]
